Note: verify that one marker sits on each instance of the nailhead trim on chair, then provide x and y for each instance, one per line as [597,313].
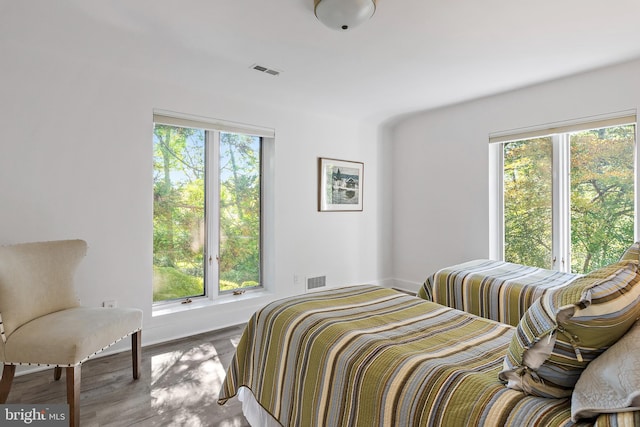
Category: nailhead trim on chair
[4,338]
[68,366]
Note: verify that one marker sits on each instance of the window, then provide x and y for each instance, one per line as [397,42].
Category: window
[207,211]
[528,202]
[567,198]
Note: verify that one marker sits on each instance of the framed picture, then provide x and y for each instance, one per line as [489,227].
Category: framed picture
[339,185]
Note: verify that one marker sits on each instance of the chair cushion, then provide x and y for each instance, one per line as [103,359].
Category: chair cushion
[69,337]
[37,279]
[569,326]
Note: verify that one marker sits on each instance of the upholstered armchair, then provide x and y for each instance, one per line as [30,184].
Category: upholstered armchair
[42,322]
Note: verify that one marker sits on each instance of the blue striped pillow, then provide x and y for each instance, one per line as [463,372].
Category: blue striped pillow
[569,326]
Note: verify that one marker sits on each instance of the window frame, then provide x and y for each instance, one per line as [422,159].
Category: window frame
[213,128]
[560,134]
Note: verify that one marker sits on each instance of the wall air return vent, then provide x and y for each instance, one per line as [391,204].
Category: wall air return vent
[266,70]
[314,283]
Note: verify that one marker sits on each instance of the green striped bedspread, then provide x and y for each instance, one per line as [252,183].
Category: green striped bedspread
[372,356]
[495,290]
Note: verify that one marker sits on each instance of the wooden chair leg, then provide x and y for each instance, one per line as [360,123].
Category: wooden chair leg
[136,353]
[5,383]
[57,373]
[73,395]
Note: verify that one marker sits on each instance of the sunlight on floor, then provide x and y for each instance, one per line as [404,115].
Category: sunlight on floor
[179,379]
[236,422]
[184,382]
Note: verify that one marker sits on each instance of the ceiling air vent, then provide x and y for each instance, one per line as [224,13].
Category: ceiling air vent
[264,69]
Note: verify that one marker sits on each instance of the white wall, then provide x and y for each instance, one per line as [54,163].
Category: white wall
[76,104]
[440,179]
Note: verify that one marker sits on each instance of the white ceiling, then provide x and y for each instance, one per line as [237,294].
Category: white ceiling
[412,55]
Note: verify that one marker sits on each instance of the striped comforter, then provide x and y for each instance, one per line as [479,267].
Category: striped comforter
[496,290]
[371,356]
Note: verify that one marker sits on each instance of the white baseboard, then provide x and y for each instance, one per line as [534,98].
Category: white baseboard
[402,285]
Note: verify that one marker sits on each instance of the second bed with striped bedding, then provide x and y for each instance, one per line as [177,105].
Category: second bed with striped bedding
[491,289]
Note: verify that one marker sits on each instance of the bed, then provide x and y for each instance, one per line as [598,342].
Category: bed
[371,356]
[496,290]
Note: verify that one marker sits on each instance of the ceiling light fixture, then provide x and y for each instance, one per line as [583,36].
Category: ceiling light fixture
[344,14]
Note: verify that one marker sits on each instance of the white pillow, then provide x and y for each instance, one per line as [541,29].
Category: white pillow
[611,382]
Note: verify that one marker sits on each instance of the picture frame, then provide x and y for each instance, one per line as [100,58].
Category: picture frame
[340,185]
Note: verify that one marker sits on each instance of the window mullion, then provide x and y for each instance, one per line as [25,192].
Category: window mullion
[561,203]
[557,170]
[566,202]
[212,203]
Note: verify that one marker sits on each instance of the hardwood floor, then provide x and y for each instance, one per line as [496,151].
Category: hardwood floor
[178,386]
